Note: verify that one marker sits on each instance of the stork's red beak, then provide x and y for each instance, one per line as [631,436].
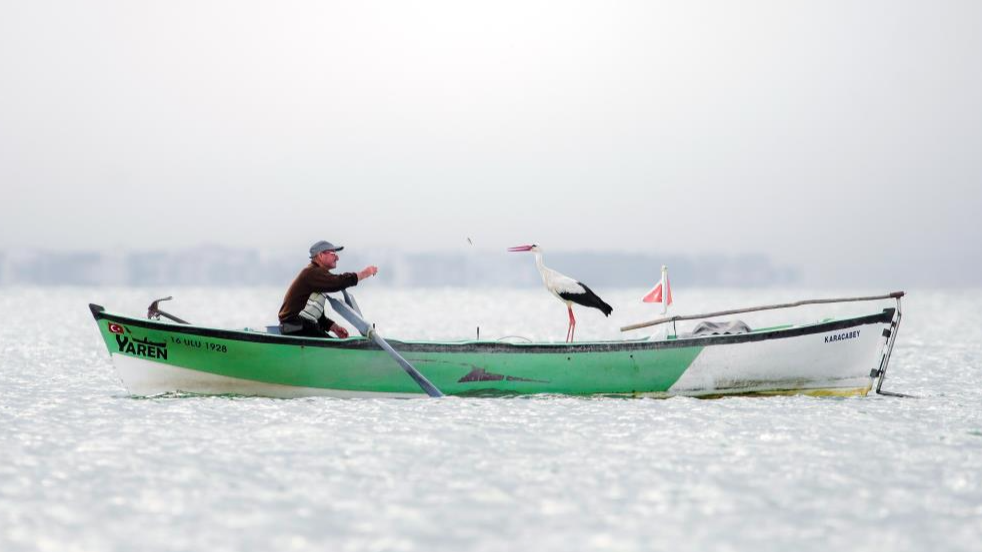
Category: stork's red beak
[518,248]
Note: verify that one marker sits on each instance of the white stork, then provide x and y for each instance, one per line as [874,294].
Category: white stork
[566,289]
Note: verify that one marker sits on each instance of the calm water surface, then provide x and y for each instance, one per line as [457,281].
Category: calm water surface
[85,467]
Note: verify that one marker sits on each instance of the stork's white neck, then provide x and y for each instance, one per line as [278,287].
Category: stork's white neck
[543,271]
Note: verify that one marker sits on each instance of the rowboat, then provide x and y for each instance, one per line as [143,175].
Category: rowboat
[847,356]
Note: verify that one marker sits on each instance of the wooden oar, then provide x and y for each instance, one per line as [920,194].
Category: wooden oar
[350,300]
[657,321]
[367,330]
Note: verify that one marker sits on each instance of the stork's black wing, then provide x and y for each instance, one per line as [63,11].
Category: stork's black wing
[588,299]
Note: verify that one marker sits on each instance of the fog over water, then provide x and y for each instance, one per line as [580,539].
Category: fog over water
[837,138]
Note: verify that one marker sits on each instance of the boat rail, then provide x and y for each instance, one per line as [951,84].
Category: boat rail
[895,295]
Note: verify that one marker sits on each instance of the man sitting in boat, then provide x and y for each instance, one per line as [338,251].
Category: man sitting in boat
[302,312]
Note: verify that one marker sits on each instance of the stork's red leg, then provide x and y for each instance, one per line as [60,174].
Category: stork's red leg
[572,325]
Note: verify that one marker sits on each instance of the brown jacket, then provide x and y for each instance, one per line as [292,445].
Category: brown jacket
[313,278]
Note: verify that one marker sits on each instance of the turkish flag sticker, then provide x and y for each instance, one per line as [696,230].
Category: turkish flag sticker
[116,328]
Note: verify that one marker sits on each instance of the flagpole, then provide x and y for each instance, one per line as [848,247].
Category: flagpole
[664,290]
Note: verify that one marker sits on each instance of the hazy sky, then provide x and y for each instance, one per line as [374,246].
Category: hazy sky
[838,136]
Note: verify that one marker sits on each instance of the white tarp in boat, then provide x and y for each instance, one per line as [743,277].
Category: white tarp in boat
[720,328]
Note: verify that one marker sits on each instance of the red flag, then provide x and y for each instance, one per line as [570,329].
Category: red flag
[661,292]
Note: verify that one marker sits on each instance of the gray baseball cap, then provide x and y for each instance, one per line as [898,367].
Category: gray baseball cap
[322,246]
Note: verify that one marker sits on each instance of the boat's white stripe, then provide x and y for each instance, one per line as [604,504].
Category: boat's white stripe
[146,378]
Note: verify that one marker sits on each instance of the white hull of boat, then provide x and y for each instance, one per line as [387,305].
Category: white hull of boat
[837,362]
[146,378]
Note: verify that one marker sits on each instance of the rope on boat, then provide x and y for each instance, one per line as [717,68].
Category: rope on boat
[522,337]
[639,325]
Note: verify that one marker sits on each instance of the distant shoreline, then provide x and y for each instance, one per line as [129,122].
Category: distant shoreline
[223,266]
